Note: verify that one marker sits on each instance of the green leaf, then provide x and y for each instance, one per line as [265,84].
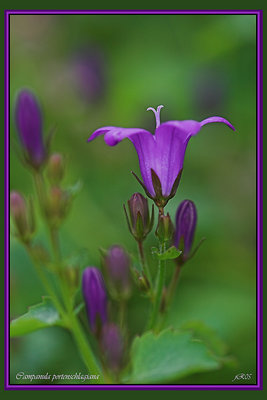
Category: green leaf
[169,254]
[39,316]
[207,335]
[78,308]
[75,189]
[168,356]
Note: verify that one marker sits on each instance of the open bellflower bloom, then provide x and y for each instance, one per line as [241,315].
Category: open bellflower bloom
[186,220]
[161,155]
[28,119]
[95,297]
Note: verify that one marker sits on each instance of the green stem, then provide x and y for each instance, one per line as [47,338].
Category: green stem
[173,284]
[143,262]
[84,349]
[158,291]
[122,309]
[170,294]
[54,240]
[41,192]
[45,282]
[74,325]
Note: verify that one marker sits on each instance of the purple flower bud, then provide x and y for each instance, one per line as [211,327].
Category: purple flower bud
[140,223]
[28,120]
[95,297]
[18,211]
[117,268]
[89,73]
[112,346]
[186,219]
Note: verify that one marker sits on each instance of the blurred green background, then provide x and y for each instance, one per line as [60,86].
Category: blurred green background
[196,66]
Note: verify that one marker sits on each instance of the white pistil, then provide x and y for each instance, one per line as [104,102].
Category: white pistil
[157,114]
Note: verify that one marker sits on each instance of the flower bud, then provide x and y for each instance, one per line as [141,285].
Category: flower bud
[95,297]
[139,223]
[165,228]
[28,121]
[55,168]
[20,215]
[112,346]
[72,275]
[58,205]
[186,219]
[142,281]
[117,269]
[89,75]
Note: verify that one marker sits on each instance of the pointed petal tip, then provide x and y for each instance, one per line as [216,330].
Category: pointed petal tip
[217,119]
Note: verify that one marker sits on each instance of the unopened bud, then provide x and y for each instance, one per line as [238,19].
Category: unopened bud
[28,119]
[40,254]
[59,202]
[112,346]
[95,297]
[55,168]
[20,215]
[117,270]
[186,219]
[165,228]
[139,222]
[72,275]
[142,281]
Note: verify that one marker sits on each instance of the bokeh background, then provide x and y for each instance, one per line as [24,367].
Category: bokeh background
[91,71]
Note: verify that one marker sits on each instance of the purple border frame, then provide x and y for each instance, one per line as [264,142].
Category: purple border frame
[258,386]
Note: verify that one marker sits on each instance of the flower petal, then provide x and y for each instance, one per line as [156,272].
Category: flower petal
[113,134]
[171,141]
[143,141]
[100,131]
[216,119]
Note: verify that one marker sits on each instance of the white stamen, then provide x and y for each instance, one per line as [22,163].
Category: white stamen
[157,114]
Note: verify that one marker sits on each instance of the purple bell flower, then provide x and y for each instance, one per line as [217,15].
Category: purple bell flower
[186,219]
[28,119]
[112,346]
[94,293]
[161,155]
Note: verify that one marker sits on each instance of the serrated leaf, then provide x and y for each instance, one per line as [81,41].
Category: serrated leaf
[39,316]
[207,335]
[169,254]
[167,357]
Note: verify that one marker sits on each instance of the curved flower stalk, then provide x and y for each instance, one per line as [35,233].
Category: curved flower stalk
[161,155]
